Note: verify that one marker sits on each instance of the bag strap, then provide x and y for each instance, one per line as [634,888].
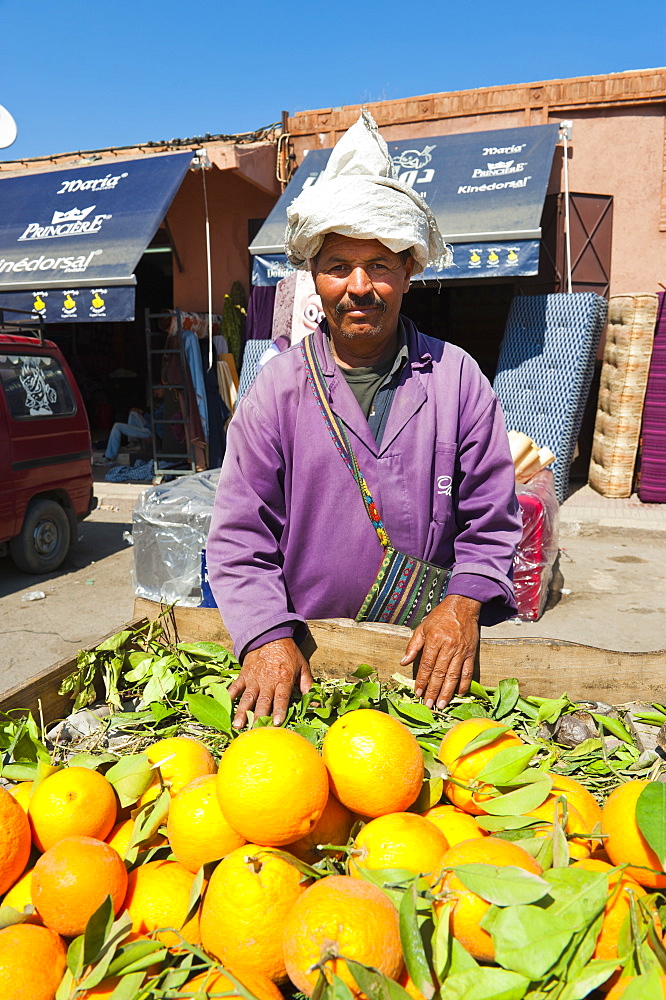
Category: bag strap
[337,431]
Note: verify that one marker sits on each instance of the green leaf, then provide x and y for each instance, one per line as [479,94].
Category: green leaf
[75,957]
[429,796]
[646,987]
[528,940]
[137,956]
[497,824]
[375,984]
[19,772]
[338,990]
[115,642]
[363,671]
[91,760]
[592,976]
[580,896]
[64,990]
[10,916]
[484,984]
[207,651]
[505,886]
[412,944]
[483,739]
[387,879]
[551,709]
[614,727]
[141,664]
[97,930]
[209,712]
[414,710]
[160,711]
[507,764]
[651,817]
[521,800]
[195,896]
[506,697]
[149,819]
[128,986]
[220,692]
[130,777]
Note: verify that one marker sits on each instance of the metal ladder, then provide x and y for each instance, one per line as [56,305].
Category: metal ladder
[156,356]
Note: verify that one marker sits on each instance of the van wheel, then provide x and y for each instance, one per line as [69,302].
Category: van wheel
[44,540]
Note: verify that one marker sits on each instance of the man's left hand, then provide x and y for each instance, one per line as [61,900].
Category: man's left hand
[448,638]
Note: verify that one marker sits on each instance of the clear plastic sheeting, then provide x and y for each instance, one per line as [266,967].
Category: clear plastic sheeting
[169,531]
[533,562]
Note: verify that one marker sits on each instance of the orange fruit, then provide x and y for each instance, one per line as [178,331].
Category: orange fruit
[20,896]
[72,879]
[272,786]
[374,763]
[196,828]
[180,759]
[215,981]
[464,768]
[15,842]
[621,985]
[158,896]
[32,962]
[248,898]
[399,840]
[22,793]
[469,909]
[344,916]
[455,824]
[73,802]
[333,827]
[624,842]
[616,908]
[579,847]
[408,985]
[120,837]
[580,798]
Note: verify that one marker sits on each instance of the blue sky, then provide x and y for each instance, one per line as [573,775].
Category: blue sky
[84,74]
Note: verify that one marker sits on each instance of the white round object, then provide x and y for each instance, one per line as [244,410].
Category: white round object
[8,128]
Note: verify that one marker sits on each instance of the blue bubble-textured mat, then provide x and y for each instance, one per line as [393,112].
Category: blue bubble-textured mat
[545,369]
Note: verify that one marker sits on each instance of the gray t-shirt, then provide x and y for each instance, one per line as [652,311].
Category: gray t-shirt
[374,387]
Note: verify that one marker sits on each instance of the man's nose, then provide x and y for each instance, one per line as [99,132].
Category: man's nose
[359,282]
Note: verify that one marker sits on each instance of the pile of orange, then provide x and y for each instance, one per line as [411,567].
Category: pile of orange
[273,806]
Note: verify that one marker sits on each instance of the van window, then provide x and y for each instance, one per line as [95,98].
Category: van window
[35,386]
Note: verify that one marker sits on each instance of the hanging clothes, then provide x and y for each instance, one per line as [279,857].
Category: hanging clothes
[260,313]
[193,356]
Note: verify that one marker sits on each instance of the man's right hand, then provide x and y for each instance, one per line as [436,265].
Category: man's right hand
[267,678]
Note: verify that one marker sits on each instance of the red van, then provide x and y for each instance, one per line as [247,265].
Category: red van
[46,483]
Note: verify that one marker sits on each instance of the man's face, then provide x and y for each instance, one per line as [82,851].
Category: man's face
[361,284]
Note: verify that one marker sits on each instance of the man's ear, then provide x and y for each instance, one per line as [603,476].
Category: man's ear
[409,270]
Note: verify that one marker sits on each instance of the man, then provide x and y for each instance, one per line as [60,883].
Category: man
[290,538]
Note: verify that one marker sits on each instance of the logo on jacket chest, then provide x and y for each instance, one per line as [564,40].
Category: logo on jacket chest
[444,486]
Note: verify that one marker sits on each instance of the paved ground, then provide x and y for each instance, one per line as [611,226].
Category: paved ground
[609,589]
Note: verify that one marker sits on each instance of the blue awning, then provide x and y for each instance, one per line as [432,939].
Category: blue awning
[486,190]
[71,239]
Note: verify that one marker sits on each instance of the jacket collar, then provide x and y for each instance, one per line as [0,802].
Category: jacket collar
[409,398]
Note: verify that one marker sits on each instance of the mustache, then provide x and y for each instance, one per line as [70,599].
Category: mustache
[369,301]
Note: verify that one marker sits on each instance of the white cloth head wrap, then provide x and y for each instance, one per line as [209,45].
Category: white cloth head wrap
[358,195]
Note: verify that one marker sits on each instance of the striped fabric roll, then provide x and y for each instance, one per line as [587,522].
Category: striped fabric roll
[652,488]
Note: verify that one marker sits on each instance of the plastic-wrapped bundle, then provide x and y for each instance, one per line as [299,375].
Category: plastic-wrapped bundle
[533,563]
[169,531]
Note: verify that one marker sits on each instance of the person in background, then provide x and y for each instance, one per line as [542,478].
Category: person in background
[138,428]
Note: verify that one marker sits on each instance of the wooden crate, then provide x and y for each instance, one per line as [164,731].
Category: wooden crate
[545,667]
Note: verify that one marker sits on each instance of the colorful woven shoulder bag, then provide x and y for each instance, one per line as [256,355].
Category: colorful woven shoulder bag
[405,589]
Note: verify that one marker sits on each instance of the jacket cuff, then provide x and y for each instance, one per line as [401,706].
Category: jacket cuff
[493,590]
[281,630]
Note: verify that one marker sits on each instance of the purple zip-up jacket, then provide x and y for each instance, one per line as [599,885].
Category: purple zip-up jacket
[290,538]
